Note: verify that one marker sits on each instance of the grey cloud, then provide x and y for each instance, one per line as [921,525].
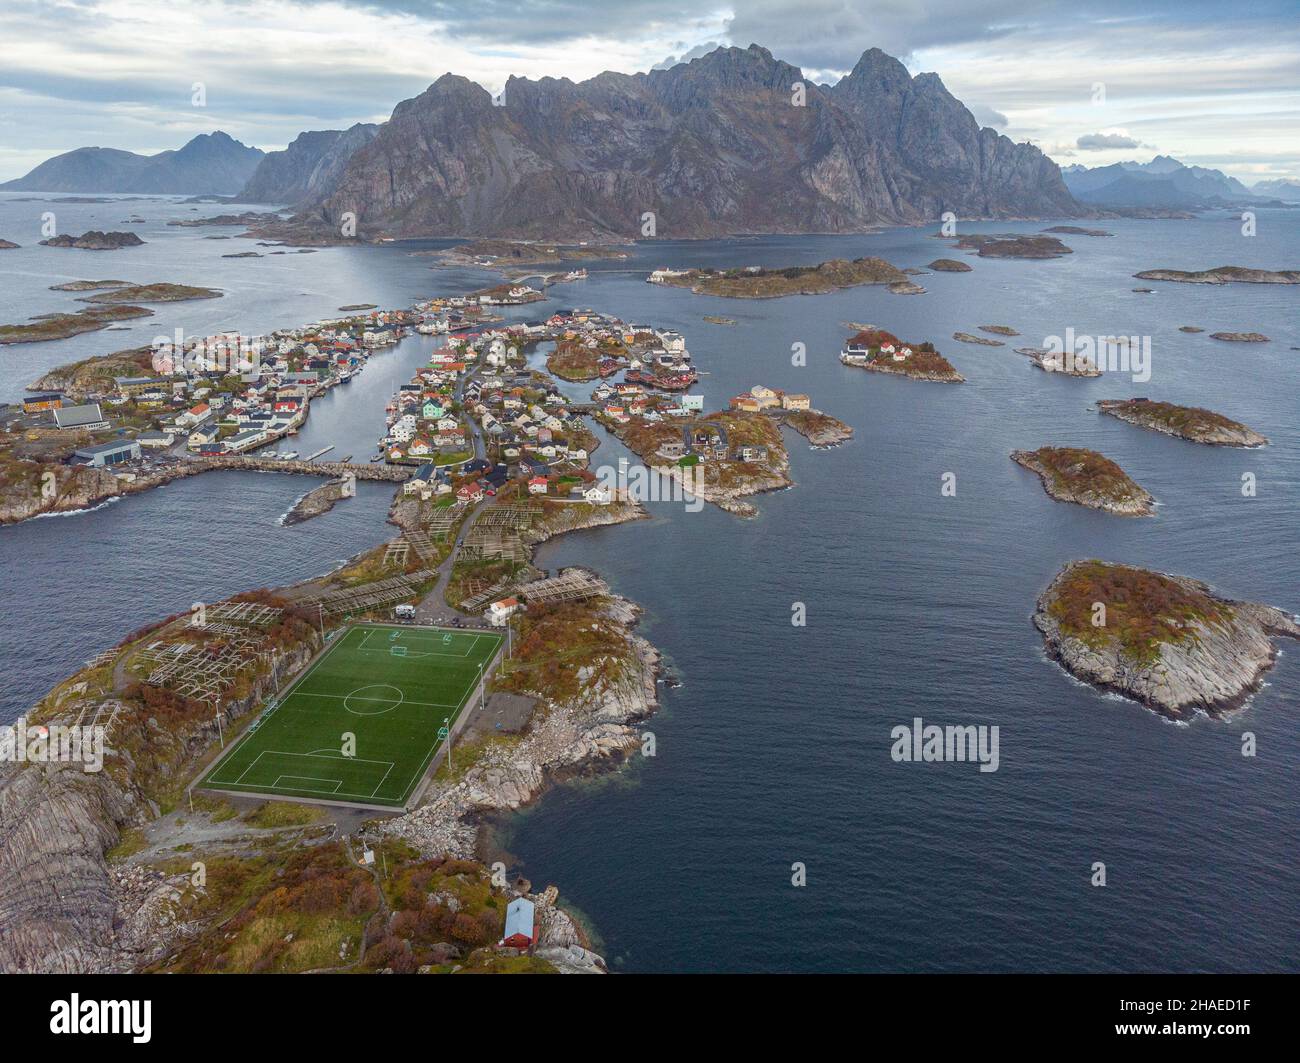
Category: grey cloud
[1103,141]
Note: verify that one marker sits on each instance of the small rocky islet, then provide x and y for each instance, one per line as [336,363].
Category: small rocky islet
[94,240]
[1074,474]
[983,341]
[1186,422]
[1222,275]
[1166,641]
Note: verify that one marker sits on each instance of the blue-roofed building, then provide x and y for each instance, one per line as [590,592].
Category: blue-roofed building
[521,930]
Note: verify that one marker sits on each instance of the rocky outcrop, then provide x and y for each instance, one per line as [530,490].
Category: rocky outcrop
[70,488]
[820,429]
[62,908]
[719,145]
[565,738]
[948,265]
[1215,658]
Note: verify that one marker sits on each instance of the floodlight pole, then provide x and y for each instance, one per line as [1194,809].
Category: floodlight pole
[446,722]
[320,613]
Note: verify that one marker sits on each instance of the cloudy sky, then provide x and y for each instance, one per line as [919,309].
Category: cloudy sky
[1090,81]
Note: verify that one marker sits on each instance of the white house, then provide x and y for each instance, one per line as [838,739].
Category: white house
[499,612]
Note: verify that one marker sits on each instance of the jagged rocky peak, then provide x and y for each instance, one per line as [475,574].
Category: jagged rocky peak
[709,145]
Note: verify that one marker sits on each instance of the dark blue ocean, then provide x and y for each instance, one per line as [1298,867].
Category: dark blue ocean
[775,749]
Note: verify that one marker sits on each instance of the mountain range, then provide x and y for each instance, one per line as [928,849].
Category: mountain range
[210,164]
[1162,182]
[722,144]
[735,141]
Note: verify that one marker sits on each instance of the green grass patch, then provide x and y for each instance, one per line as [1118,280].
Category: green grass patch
[389,687]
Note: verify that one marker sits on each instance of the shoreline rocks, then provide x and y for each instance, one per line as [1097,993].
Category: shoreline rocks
[1168,642]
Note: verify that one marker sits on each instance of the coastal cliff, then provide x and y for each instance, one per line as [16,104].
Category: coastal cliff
[1166,641]
[60,905]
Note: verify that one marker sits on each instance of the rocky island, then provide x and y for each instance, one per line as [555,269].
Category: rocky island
[949,265]
[1222,275]
[1166,641]
[1072,474]
[983,341]
[1067,363]
[1186,422]
[61,326]
[883,352]
[88,286]
[1011,245]
[1240,337]
[502,254]
[158,292]
[94,240]
[8,245]
[756,282]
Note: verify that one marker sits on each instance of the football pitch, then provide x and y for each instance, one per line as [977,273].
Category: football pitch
[393,688]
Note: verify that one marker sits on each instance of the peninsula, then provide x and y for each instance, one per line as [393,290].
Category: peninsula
[1166,641]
